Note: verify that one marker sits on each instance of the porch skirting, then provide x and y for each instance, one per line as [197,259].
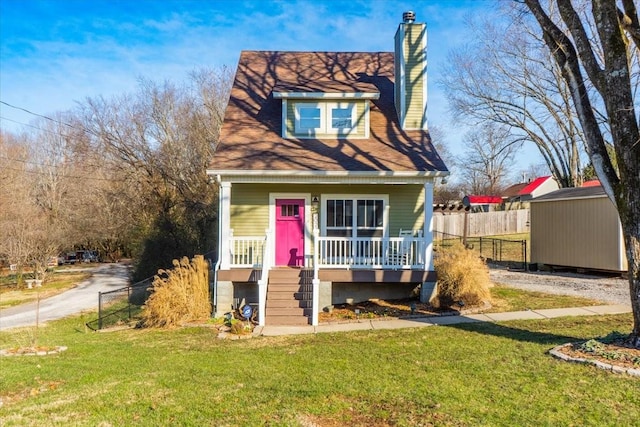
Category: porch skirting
[337,286]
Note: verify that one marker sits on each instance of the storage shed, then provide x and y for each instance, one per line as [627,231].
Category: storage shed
[577,227]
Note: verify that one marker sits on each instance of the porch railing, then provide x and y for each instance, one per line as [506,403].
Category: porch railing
[247,251]
[340,252]
[370,252]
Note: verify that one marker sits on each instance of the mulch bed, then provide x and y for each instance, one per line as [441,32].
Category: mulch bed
[617,356]
[380,309]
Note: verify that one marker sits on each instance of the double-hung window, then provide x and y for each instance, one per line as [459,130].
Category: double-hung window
[342,118]
[309,118]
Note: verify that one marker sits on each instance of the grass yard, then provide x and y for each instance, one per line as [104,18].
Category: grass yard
[464,375]
[506,298]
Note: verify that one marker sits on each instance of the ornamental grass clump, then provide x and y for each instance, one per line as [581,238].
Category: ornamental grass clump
[179,295]
[463,278]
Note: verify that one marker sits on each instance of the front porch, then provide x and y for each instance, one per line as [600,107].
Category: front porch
[339,269]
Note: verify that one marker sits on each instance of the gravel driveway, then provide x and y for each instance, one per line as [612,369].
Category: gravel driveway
[609,289]
[83,297]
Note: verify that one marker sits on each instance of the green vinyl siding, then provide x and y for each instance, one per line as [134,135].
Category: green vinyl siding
[406,203]
[249,210]
[250,203]
[415,77]
[361,120]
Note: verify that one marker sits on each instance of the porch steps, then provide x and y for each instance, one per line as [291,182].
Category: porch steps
[289,296]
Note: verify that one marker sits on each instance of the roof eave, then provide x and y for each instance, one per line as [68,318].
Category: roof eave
[326,95]
[326,177]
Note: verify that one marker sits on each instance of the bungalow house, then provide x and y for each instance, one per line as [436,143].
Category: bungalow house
[325,170]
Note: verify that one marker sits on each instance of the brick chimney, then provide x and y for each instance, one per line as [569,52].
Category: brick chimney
[411,73]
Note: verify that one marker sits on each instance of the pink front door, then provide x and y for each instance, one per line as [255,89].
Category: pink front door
[290,232]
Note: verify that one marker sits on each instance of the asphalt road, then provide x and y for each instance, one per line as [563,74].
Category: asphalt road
[81,298]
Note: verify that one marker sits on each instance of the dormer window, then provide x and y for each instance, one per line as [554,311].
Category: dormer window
[341,110]
[325,118]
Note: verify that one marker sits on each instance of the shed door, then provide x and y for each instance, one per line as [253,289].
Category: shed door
[290,232]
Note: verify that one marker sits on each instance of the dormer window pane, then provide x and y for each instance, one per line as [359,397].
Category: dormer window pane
[341,118]
[310,117]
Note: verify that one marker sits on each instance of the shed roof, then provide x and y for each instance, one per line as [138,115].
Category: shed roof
[572,193]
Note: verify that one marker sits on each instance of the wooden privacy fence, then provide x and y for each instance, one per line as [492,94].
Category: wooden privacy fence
[482,223]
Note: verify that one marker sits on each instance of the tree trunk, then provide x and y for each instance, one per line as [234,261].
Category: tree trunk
[611,77]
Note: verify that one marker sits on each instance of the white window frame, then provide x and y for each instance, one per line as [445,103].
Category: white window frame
[342,106]
[354,218]
[326,119]
[299,129]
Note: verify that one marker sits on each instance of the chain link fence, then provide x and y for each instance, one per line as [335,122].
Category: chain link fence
[509,253]
[121,306]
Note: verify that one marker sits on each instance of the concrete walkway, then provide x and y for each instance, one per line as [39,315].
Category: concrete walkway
[375,324]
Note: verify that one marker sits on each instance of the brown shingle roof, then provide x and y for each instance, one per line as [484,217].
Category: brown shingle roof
[251,134]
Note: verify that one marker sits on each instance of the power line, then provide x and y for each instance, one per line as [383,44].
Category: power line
[37,172]
[32,126]
[38,115]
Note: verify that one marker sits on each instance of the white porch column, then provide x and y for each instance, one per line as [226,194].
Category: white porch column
[428,226]
[315,314]
[264,277]
[224,216]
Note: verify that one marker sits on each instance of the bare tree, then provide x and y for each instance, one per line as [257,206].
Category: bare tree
[160,141]
[575,50]
[506,76]
[487,159]
[31,206]
[445,191]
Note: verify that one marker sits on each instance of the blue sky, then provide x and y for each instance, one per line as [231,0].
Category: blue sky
[56,52]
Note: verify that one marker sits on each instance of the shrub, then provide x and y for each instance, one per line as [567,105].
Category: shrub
[462,277]
[179,295]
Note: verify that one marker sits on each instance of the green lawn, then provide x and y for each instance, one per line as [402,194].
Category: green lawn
[506,298]
[465,375]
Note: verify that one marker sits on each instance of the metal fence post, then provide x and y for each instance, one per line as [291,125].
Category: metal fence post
[99,310]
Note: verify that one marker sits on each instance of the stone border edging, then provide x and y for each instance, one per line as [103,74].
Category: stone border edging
[32,352]
[555,352]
